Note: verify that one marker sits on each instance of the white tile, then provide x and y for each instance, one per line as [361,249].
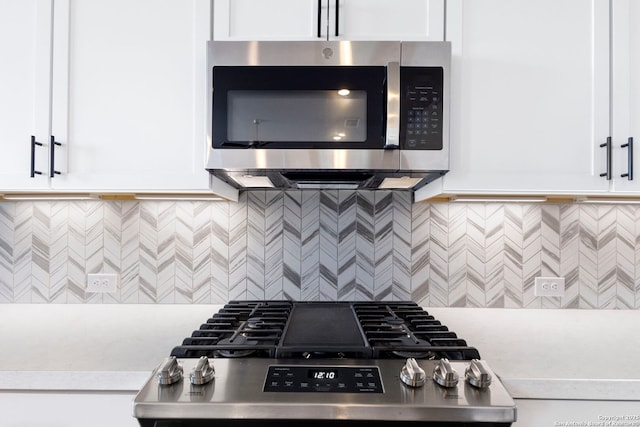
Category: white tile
[320,245]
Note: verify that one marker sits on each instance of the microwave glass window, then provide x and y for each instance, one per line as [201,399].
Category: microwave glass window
[299,107]
[297,115]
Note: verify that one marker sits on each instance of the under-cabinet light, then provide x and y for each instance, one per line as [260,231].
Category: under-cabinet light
[253,181]
[108,197]
[608,200]
[402,182]
[494,199]
[53,197]
[178,197]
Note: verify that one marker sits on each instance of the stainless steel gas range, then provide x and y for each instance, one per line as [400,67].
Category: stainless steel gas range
[285,363]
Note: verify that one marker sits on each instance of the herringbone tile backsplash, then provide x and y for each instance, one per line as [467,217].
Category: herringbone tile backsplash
[324,245]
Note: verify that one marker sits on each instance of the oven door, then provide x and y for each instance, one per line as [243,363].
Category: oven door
[299,107]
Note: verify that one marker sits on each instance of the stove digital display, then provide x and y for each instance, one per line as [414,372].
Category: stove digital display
[323,374]
[323,379]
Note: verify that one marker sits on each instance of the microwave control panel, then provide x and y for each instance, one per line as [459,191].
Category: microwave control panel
[421,108]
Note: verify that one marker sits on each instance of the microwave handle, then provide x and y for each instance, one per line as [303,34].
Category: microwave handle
[337,33]
[393,106]
[319,24]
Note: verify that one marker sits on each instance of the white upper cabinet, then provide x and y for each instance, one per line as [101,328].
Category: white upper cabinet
[120,85]
[625,97]
[387,20]
[328,19]
[530,96]
[129,86]
[266,19]
[24,92]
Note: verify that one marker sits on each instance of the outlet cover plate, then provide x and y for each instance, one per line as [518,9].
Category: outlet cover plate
[549,287]
[103,282]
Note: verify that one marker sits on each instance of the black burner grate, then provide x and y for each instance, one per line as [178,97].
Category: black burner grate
[286,329]
[240,329]
[404,329]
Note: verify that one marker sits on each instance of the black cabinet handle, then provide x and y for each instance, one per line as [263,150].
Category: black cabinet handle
[629,147]
[319,18]
[52,169]
[337,33]
[34,172]
[607,144]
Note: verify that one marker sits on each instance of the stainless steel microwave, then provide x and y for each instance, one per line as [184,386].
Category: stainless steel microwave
[328,114]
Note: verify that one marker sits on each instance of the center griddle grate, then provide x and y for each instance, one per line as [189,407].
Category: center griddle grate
[323,330]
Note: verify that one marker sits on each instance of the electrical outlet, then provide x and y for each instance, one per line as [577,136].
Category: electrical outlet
[105,283]
[549,287]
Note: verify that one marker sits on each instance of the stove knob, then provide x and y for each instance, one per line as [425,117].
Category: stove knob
[169,371]
[444,374]
[412,374]
[203,372]
[477,374]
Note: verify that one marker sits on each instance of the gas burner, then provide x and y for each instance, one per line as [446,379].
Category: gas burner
[415,354]
[394,323]
[234,354]
[255,322]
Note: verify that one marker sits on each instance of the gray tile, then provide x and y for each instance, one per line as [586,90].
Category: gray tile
[321,245]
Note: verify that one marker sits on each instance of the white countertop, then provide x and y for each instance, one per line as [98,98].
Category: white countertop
[558,354]
[94,337]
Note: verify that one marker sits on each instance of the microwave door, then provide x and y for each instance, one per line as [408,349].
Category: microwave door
[299,107]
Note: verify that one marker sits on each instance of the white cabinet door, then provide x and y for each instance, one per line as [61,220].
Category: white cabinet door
[25,40]
[313,20]
[269,19]
[129,95]
[388,20]
[625,98]
[530,104]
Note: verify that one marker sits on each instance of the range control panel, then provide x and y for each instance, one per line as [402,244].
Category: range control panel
[421,108]
[332,379]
